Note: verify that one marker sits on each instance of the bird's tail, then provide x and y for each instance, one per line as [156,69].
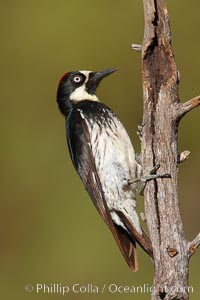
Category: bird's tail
[142,239]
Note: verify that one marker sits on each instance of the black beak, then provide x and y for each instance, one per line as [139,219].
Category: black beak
[102,74]
[94,81]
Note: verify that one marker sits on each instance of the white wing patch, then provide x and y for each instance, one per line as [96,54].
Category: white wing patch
[81,114]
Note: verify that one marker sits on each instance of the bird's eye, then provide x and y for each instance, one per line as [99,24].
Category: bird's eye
[77,78]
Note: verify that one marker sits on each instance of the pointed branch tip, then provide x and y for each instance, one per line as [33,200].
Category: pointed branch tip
[193,246]
[184,156]
[187,106]
[136,47]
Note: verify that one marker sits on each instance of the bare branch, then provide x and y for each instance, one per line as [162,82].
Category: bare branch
[159,140]
[136,47]
[193,246]
[184,156]
[187,106]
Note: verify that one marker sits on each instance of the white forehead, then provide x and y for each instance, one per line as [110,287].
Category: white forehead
[86,73]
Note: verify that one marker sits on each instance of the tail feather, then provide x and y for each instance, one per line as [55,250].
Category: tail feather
[142,239]
[127,245]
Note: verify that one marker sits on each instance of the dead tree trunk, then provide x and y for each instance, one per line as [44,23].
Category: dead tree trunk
[162,114]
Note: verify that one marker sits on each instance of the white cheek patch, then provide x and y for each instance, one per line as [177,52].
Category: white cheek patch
[81,94]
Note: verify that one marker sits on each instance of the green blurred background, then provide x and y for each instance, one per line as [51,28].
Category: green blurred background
[50,231]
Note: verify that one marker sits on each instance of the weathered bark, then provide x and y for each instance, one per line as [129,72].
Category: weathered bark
[162,113]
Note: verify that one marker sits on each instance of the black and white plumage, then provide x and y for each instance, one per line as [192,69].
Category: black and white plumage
[103,156]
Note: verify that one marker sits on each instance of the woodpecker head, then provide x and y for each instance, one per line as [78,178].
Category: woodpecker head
[78,86]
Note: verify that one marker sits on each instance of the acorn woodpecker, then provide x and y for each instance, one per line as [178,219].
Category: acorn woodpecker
[104,158]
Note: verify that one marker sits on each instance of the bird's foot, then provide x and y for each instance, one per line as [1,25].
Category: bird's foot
[144,179]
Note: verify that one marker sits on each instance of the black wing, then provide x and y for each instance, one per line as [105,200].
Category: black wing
[78,139]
